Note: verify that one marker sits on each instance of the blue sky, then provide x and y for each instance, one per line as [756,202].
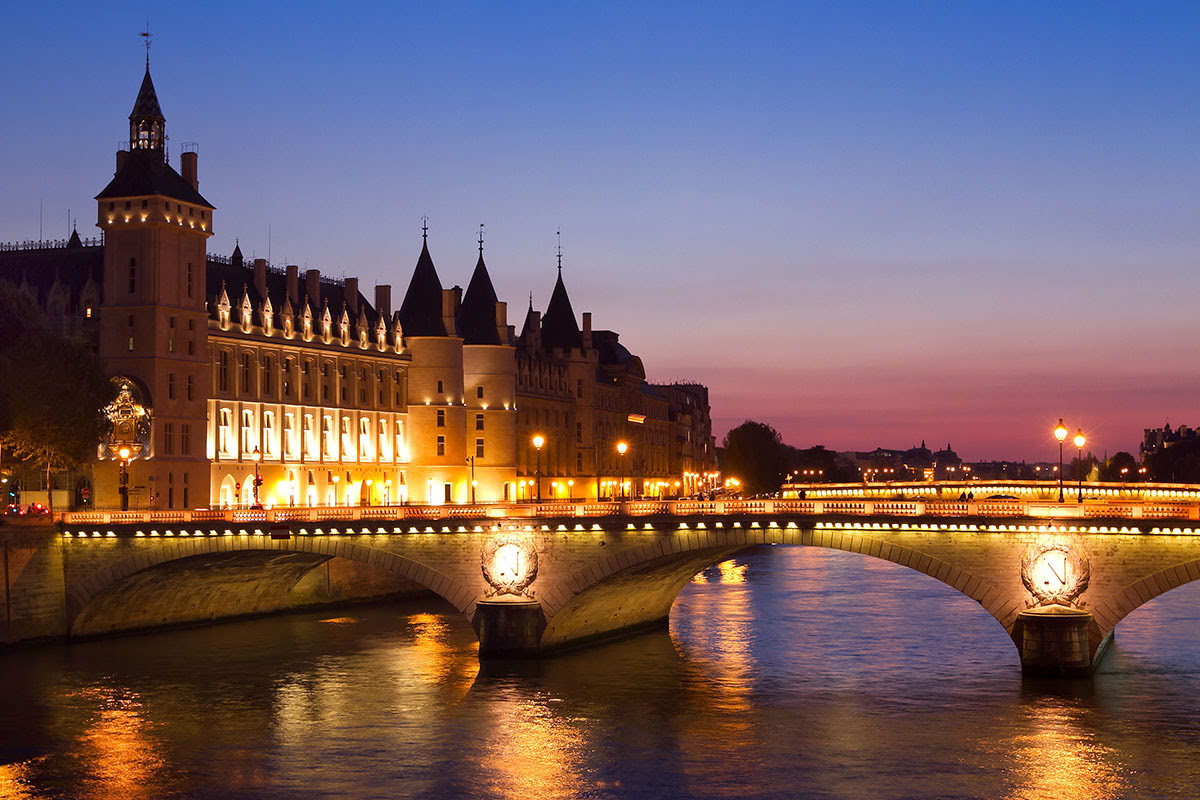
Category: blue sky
[863,223]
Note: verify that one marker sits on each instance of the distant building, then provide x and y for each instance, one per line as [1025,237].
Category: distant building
[1156,439]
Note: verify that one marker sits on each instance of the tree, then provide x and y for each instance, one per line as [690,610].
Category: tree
[1179,463]
[52,390]
[1111,469]
[755,454]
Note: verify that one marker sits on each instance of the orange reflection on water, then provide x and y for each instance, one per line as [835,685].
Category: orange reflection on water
[121,760]
[16,780]
[532,753]
[1058,759]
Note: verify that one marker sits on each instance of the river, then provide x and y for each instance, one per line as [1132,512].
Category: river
[786,673]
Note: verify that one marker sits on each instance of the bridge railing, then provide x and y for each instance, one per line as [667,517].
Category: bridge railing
[1090,509]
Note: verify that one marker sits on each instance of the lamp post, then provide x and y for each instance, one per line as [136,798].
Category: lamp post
[1080,440]
[471,461]
[123,488]
[257,456]
[538,441]
[621,448]
[1060,433]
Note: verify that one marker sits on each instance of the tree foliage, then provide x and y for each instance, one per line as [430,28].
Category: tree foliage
[1110,470]
[755,454]
[52,389]
[1179,463]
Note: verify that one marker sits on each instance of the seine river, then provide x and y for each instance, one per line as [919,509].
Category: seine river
[786,673]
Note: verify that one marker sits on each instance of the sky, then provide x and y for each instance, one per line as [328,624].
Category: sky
[863,223]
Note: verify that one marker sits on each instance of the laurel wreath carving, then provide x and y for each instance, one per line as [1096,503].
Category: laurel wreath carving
[503,585]
[1067,595]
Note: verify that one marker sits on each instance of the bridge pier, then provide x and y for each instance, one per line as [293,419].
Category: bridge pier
[1053,641]
[508,628]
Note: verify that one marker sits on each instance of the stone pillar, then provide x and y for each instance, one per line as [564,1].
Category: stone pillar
[1053,640]
[508,628]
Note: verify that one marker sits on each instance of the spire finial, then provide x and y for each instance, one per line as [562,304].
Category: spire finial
[531,301]
[481,240]
[559,234]
[146,37]
[424,228]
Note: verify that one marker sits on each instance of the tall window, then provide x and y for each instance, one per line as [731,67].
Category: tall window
[168,438]
[479,422]
[289,435]
[222,370]
[383,440]
[364,438]
[269,433]
[247,432]
[189,280]
[245,373]
[171,386]
[441,445]
[268,374]
[171,335]
[439,387]
[479,391]
[190,387]
[347,443]
[327,436]
[362,386]
[441,418]
[185,439]
[287,378]
[225,432]
[479,448]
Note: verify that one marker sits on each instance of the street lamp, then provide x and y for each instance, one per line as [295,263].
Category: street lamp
[1080,440]
[538,441]
[621,448]
[1060,433]
[257,456]
[471,461]
[123,489]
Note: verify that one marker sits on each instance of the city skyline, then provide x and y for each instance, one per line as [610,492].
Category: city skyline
[873,226]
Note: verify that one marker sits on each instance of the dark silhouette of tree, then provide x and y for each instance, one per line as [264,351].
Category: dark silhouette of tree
[1111,469]
[52,390]
[755,454]
[1179,463]
[824,463]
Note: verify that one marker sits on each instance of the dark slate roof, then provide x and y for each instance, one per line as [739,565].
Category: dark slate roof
[71,266]
[527,329]
[421,311]
[559,329]
[236,259]
[477,315]
[146,106]
[146,173]
[238,278]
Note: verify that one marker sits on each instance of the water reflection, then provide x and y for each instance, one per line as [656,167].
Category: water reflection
[789,672]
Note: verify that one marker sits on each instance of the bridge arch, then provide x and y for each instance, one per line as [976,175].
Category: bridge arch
[216,569]
[1119,604]
[636,587]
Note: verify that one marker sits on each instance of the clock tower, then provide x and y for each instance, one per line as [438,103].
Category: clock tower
[153,318]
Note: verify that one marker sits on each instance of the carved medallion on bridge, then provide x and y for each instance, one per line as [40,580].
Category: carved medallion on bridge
[509,565]
[1055,573]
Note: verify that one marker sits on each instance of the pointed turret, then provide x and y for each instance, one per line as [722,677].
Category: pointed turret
[147,126]
[421,311]
[74,241]
[477,315]
[559,329]
[236,259]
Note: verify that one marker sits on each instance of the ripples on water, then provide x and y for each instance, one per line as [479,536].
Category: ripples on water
[787,672]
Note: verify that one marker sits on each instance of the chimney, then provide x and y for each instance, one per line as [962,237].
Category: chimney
[188,162]
[587,330]
[293,285]
[312,287]
[260,277]
[122,157]
[383,301]
[350,288]
[451,300]
[502,321]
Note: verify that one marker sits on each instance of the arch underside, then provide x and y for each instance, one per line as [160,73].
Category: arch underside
[172,586]
[613,598]
[1108,611]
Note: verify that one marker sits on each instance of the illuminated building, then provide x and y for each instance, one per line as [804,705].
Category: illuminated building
[240,368]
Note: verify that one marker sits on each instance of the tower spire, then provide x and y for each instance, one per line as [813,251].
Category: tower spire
[559,234]
[481,240]
[424,228]
[146,40]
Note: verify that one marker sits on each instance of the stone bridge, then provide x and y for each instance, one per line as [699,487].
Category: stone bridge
[537,584]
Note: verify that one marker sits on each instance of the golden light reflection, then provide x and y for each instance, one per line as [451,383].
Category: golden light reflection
[533,752]
[1058,758]
[121,760]
[16,780]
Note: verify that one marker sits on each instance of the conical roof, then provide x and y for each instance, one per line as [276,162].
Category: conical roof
[477,315]
[421,311]
[559,329]
[146,106]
